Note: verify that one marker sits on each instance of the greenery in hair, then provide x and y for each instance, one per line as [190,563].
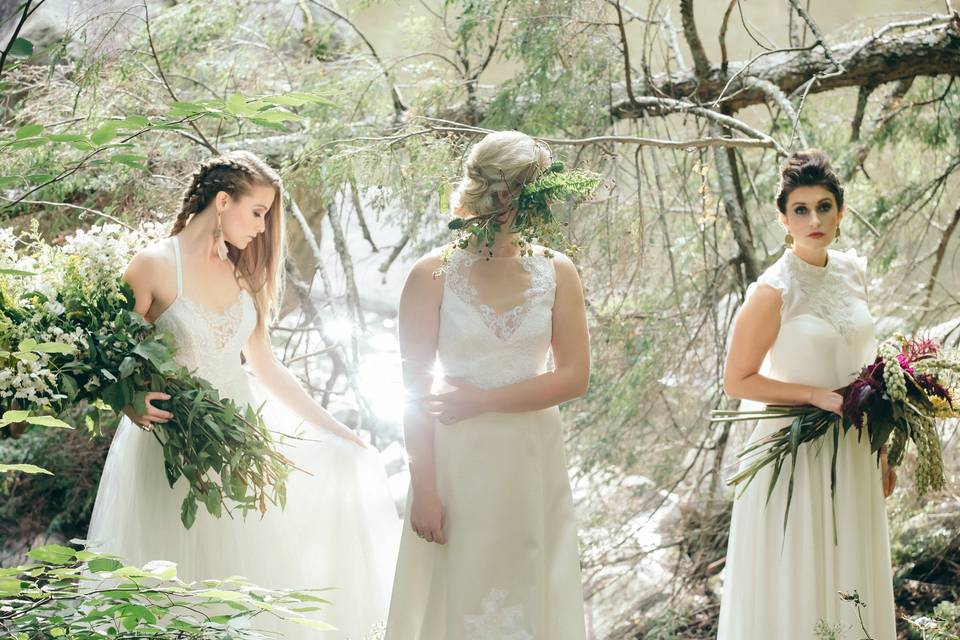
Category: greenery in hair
[534,221]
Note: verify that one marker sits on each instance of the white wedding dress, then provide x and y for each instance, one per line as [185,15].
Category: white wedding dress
[510,567]
[339,530]
[780,585]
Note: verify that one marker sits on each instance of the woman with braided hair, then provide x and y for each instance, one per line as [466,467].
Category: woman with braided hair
[215,284]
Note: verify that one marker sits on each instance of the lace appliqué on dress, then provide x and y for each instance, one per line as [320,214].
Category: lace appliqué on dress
[224,325]
[497,621]
[505,324]
[826,293]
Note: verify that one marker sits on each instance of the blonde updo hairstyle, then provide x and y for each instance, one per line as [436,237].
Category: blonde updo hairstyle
[260,264]
[503,161]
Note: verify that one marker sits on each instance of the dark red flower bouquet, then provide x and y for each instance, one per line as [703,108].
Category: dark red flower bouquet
[896,399]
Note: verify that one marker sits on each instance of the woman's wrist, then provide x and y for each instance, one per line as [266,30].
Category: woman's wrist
[487,401]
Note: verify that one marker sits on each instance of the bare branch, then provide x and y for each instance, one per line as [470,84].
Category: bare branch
[156,58]
[781,100]
[930,51]
[628,72]
[701,63]
[358,209]
[16,30]
[940,255]
[887,112]
[398,105]
[816,32]
[724,61]
[862,96]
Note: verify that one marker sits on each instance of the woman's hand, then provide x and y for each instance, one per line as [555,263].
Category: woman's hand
[828,400]
[153,415]
[426,516]
[466,401]
[348,434]
[888,475]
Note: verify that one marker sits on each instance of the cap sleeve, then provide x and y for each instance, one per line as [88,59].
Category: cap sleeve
[776,277]
[858,268]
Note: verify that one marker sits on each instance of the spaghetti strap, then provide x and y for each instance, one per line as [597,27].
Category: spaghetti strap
[176,251]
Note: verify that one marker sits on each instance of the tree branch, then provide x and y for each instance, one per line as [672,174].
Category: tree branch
[929,51]
[16,31]
[938,262]
[156,58]
[887,112]
[398,105]
[701,64]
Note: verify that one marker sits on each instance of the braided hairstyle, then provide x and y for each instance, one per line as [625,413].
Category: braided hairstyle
[258,266]
[502,161]
[807,168]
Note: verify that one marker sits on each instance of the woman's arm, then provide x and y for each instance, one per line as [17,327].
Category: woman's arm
[571,359]
[277,379]
[139,276]
[419,326]
[754,333]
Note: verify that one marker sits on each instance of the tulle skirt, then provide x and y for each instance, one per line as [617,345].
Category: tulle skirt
[339,530]
[510,567]
[781,583]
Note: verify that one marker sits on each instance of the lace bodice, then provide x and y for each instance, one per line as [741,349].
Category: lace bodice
[826,330]
[208,341]
[495,345]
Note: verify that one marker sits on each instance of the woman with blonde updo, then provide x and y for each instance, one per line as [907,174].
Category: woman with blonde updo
[214,285]
[489,547]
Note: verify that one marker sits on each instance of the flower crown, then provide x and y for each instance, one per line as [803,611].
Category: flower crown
[534,219]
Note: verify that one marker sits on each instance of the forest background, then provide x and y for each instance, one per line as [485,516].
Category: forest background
[686,109]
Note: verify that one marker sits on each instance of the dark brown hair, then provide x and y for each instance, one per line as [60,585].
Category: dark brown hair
[259,265]
[807,168]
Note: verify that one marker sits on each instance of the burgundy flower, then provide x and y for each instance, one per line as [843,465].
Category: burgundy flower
[862,393]
[932,387]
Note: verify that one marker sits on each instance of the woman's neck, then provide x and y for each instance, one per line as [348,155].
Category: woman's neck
[197,237]
[815,256]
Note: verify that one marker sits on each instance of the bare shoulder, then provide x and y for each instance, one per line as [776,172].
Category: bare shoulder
[150,261]
[153,271]
[424,276]
[564,267]
[428,264]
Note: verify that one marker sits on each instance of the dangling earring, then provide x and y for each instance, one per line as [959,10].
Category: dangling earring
[837,237]
[788,239]
[218,238]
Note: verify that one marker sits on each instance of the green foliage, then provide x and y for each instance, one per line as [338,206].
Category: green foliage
[82,595]
[58,503]
[224,451]
[534,221]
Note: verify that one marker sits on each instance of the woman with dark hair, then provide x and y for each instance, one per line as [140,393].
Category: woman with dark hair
[214,285]
[804,332]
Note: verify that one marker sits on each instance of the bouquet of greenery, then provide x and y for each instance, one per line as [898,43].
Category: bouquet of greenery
[534,220]
[69,334]
[896,399]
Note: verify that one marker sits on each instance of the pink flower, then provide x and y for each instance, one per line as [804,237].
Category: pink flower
[917,348]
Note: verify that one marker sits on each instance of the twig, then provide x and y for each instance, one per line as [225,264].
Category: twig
[816,32]
[74,206]
[701,63]
[399,108]
[16,31]
[163,77]
[723,37]
[627,71]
